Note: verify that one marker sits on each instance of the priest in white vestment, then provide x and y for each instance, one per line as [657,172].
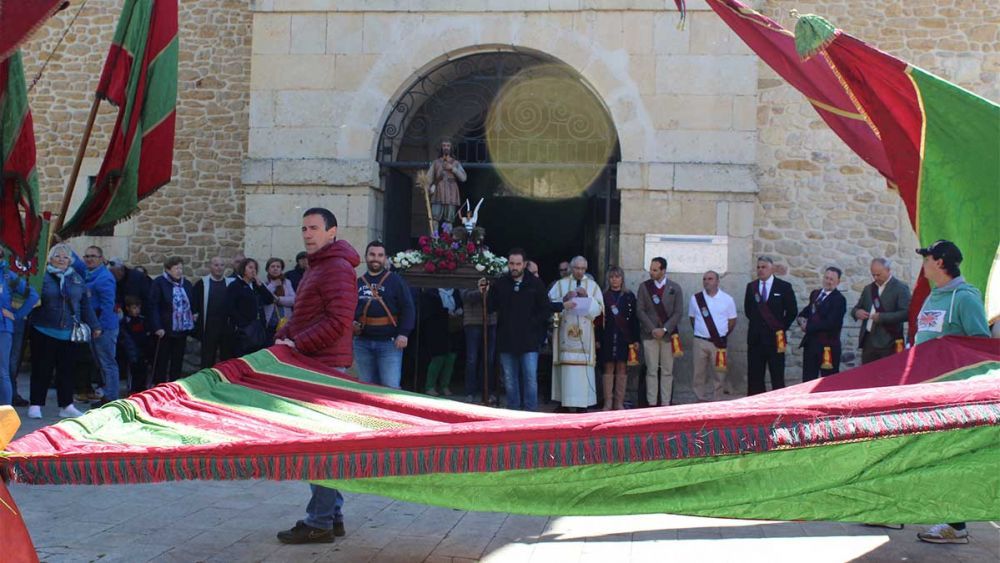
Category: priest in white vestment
[574,351]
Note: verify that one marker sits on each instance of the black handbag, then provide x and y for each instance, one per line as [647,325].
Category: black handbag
[250,337]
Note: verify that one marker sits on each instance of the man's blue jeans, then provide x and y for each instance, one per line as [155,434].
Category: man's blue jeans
[17,342]
[104,348]
[324,508]
[6,391]
[378,361]
[520,376]
[473,345]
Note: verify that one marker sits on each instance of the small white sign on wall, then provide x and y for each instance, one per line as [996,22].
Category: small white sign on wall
[689,254]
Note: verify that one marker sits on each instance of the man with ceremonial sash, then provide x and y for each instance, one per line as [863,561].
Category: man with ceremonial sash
[713,316]
[661,305]
[574,350]
[321,329]
[769,304]
[882,309]
[822,319]
[383,321]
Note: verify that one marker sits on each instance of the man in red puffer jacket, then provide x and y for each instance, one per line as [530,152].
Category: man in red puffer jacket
[322,328]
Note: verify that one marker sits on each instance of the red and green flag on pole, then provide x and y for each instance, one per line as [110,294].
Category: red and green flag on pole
[140,77]
[20,220]
[937,144]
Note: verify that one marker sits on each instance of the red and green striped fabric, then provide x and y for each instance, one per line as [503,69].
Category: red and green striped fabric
[829,450]
[936,143]
[20,222]
[140,77]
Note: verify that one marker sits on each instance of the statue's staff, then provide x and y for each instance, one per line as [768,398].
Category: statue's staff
[424,181]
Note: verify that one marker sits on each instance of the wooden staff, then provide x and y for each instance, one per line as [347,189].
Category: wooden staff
[424,181]
[486,352]
[68,194]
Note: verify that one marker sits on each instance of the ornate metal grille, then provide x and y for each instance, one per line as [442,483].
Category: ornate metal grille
[454,100]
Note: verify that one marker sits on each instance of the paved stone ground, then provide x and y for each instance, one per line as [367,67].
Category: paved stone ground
[236,521]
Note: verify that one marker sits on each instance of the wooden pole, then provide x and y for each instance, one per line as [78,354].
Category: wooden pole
[486,352]
[68,194]
[424,180]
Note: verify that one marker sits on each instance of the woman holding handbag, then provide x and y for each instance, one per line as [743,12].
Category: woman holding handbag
[245,300]
[65,316]
[279,312]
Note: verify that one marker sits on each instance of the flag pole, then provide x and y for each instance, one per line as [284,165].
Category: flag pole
[68,193]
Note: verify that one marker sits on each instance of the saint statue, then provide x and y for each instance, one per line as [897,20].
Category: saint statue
[445,173]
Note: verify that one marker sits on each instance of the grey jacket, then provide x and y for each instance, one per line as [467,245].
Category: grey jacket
[896,307]
[673,305]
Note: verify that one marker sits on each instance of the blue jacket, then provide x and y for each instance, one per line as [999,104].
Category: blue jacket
[101,283]
[10,285]
[60,306]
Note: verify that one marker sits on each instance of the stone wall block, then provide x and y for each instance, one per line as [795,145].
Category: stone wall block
[344,33]
[706,146]
[308,33]
[698,74]
[715,178]
[271,34]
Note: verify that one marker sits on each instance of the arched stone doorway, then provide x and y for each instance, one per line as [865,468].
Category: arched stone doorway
[547,171]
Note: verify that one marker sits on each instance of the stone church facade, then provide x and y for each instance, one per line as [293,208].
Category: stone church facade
[283,105]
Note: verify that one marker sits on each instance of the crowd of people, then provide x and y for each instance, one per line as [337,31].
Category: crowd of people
[137,328]
[131,326]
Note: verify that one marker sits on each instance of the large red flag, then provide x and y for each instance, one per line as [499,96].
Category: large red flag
[140,77]
[20,18]
[936,144]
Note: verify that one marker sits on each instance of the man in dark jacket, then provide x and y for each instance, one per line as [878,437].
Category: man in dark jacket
[522,306]
[383,321]
[210,307]
[295,274]
[322,329]
[129,281]
[770,305]
[822,320]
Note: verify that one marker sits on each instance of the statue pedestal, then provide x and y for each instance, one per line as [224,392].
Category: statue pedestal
[464,277]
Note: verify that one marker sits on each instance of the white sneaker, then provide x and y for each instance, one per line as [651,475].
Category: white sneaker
[944,533]
[34,411]
[69,412]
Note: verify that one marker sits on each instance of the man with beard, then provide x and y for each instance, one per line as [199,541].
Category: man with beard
[821,320]
[522,309]
[383,321]
[321,329]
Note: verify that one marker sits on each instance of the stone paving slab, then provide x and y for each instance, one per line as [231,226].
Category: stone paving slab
[236,521]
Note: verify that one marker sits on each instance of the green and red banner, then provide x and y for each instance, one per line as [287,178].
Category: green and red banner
[937,144]
[891,441]
[140,77]
[20,220]
[20,18]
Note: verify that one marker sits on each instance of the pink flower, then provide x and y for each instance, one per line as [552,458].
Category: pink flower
[429,267]
[424,241]
[470,248]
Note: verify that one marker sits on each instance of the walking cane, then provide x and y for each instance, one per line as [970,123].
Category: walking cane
[486,353]
[156,356]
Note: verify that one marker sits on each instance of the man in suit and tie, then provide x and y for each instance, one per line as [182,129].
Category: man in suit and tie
[822,320]
[770,305]
[882,309]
